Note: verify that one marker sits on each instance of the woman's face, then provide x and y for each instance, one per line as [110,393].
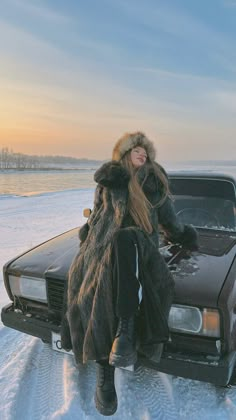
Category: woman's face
[138,156]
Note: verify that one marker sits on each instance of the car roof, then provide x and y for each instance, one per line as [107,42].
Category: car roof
[207,173]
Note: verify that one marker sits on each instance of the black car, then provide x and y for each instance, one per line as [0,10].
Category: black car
[202,319]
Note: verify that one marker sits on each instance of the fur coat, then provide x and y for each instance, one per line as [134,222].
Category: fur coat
[89,323]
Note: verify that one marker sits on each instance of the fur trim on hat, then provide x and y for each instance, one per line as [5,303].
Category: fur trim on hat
[130,140]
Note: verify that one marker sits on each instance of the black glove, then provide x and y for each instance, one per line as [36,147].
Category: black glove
[189,238]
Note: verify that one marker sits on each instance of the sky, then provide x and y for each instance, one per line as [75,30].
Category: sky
[76,75]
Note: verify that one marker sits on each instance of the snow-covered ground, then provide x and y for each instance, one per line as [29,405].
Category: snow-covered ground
[39,383]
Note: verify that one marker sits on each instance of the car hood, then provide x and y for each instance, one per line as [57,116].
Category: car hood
[199,276]
[50,259]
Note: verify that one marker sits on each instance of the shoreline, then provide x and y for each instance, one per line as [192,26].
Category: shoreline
[94,166]
[32,194]
[47,169]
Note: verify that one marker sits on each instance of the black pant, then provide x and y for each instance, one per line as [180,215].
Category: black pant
[125,282]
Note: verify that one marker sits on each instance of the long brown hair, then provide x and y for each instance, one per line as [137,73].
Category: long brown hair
[138,204]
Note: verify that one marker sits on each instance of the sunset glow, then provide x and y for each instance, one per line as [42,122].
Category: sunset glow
[74,76]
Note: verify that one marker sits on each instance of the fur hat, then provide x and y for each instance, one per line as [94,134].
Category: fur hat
[130,140]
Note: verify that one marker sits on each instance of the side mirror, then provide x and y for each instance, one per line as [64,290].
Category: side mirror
[87,212]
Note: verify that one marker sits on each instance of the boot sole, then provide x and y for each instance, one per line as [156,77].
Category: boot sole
[122,361]
[105,411]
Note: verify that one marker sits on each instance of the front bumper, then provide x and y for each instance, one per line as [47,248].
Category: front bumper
[195,367]
[202,368]
[32,325]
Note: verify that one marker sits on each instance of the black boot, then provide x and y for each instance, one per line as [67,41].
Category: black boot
[105,395]
[123,352]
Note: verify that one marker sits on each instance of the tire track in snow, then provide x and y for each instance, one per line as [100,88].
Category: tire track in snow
[42,383]
[201,400]
[48,389]
[35,377]
[10,340]
[19,361]
[147,395]
[43,386]
[38,383]
[142,395]
[86,386]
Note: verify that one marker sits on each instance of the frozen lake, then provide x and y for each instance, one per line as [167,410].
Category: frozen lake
[38,383]
[29,182]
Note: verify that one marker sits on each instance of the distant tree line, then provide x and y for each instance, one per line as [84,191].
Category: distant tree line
[12,160]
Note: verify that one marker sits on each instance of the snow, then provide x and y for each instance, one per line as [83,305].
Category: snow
[37,382]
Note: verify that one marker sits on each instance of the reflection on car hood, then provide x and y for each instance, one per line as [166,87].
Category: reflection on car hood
[199,276]
[52,258]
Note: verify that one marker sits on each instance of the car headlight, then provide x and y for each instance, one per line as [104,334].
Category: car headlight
[29,287]
[192,320]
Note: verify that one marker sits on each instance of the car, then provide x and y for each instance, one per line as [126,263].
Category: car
[202,318]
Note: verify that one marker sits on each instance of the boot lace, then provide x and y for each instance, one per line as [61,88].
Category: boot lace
[106,374]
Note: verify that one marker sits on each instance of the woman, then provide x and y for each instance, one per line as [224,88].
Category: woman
[106,319]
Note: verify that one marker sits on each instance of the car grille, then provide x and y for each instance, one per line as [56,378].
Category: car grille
[55,294]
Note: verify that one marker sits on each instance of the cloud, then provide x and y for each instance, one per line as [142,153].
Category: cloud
[168,19]
[38,10]
[229,3]
[178,26]
[74,82]
[178,76]
[226,100]
[66,90]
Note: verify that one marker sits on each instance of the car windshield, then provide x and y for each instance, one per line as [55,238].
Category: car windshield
[208,203]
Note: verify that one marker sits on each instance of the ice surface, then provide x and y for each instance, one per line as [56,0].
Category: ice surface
[38,383]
